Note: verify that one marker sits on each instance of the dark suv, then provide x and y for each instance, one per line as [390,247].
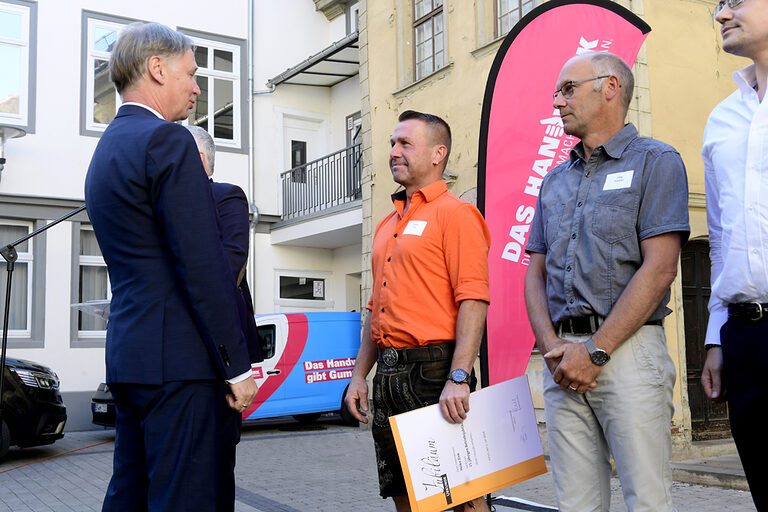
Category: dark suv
[33,412]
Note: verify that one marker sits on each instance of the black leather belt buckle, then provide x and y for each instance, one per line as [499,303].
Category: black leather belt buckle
[389,356]
[753,311]
[580,325]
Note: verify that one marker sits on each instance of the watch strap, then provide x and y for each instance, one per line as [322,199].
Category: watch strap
[599,356]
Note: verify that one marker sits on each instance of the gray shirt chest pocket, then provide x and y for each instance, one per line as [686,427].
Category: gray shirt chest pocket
[614,222]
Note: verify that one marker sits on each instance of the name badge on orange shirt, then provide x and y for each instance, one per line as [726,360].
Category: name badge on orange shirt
[415,227]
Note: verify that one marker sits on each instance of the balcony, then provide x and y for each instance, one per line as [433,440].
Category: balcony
[322,202]
[328,183]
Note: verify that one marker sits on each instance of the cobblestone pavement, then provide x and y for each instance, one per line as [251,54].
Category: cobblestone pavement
[281,467]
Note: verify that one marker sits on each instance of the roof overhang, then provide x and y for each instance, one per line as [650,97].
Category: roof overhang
[327,68]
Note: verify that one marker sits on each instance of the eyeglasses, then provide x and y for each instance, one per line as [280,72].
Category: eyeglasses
[568,87]
[722,3]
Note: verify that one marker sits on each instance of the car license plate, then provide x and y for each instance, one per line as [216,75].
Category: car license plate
[99,407]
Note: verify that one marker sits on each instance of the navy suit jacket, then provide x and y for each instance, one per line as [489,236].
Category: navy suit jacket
[232,208]
[174,312]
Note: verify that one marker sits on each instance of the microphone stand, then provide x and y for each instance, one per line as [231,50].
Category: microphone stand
[9,254]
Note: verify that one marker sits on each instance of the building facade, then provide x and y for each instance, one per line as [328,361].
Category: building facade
[280,95]
[435,55]
[55,87]
[306,157]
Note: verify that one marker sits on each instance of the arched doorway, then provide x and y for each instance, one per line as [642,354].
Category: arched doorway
[709,420]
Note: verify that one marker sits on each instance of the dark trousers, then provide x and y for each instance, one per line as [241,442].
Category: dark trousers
[745,352]
[174,448]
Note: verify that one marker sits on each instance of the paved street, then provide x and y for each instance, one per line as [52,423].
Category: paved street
[281,467]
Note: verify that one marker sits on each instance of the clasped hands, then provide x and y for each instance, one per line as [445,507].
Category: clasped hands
[571,366]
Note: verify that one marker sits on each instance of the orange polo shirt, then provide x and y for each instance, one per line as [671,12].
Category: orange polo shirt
[424,264]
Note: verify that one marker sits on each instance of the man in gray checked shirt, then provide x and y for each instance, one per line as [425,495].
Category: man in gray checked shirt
[604,246]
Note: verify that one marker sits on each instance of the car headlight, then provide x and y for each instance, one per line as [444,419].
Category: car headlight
[37,379]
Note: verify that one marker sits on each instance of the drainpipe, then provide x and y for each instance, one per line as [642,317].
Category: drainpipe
[251,270]
[251,150]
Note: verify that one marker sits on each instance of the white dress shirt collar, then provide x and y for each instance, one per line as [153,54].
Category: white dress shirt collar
[135,103]
[746,79]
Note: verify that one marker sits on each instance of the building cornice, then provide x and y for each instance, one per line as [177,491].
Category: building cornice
[331,8]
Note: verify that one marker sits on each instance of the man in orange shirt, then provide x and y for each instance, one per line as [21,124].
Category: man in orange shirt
[429,300]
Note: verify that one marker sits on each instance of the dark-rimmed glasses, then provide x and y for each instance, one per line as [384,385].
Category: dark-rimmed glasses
[568,87]
[722,3]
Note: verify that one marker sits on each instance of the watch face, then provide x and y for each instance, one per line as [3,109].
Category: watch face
[599,357]
[459,376]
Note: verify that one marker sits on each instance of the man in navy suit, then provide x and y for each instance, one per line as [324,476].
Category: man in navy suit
[177,361]
[232,209]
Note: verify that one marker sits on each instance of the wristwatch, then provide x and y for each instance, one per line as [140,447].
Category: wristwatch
[598,355]
[459,376]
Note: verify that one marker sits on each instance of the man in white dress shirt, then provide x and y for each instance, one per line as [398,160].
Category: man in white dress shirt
[735,156]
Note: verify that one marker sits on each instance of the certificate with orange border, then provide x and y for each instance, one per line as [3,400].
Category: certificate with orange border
[497,446]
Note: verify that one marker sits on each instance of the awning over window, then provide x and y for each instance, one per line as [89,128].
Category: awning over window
[325,69]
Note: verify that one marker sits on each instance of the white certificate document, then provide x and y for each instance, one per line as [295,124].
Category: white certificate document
[497,446]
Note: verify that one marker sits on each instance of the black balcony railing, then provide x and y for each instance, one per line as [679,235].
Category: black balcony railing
[332,180]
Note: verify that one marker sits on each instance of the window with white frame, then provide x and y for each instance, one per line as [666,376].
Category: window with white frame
[509,12]
[93,283]
[17,52]
[308,289]
[218,108]
[101,100]
[221,67]
[20,315]
[428,36]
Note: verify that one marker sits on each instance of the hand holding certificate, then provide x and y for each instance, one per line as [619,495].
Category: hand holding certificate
[496,446]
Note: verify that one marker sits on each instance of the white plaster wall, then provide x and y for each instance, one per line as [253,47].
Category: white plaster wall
[346,260]
[345,100]
[232,168]
[338,262]
[287,32]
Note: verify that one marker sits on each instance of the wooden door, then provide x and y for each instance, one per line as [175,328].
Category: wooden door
[709,420]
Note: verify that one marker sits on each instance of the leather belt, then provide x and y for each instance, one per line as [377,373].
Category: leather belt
[753,311]
[391,356]
[589,324]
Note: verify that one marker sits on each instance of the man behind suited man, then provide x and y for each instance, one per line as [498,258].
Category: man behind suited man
[176,358]
[232,208]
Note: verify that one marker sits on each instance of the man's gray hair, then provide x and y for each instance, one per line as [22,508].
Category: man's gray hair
[205,145]
[605,63]
[136,44]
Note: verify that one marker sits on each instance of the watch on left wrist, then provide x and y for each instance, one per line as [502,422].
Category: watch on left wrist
[459,376]
[598,355]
